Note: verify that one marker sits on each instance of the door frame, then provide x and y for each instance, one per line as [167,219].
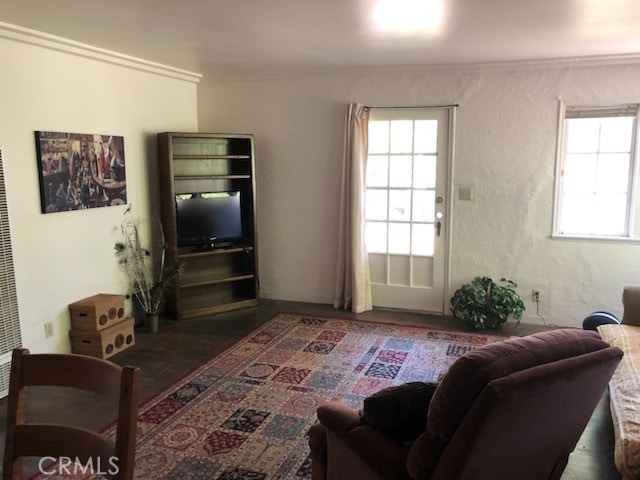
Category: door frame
[446,295]
[449,194]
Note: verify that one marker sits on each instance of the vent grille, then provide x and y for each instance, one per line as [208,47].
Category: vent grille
[5,372]
[9,319]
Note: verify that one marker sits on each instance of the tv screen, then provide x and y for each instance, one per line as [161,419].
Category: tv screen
[206,219]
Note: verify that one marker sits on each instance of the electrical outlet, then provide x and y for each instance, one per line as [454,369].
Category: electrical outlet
[48,329]
[535,295]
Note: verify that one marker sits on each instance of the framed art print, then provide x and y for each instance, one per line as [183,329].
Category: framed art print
[79,171]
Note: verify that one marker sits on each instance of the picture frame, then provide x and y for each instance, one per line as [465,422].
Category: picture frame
[80,171]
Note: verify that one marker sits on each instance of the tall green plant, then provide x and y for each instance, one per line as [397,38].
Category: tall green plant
[148,281]
[484,303]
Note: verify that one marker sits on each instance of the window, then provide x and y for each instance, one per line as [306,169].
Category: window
[400,187]
[595,185]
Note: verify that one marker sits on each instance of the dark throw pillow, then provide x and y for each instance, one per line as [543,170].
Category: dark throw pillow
[399,411]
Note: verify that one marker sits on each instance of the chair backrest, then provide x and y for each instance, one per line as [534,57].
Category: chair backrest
[514,409]
[116,384]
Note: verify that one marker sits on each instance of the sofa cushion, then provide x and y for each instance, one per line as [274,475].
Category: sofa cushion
[399,411]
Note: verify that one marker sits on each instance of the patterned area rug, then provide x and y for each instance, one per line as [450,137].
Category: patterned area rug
[244,414]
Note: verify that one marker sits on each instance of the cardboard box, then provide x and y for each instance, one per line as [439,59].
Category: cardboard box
[97,312]
[105,343]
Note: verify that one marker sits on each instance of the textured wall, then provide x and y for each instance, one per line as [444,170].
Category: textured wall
[64,257]
[505,150]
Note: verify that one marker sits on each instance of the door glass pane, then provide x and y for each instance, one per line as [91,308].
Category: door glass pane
[400,205]
[379,137]
[426,136]
[401,182]
[376,237]
[422,240]
[400,171]
[401,136]
[424,171]
[377,171]
[399,238]
[376,204]
[424,205]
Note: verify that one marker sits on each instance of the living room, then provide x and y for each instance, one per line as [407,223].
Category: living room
[505,150]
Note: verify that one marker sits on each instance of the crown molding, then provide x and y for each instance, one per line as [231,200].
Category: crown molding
[559,62]
[524,64]
[283,73]
[53,42]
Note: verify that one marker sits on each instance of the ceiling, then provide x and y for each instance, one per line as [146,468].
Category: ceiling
[220,38]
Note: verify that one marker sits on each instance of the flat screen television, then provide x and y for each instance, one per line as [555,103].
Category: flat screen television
[208,219]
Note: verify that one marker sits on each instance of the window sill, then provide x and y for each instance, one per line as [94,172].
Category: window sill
[594,239]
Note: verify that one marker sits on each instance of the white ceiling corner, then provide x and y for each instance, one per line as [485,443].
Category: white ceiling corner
[224,38]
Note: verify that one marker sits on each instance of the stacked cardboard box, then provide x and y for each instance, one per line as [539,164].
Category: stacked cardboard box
[99,327]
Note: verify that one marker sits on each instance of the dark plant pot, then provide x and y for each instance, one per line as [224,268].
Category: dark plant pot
[152,320]
[138,312]
[493,322]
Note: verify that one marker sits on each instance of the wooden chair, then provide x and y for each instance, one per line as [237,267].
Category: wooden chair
[116,384]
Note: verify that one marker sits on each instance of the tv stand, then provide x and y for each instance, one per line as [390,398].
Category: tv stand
[213,246]
[218,276]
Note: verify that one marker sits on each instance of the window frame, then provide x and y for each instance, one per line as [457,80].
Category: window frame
[631,235]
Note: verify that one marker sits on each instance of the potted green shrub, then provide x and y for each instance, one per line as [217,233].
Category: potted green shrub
[485,304]
[150,277]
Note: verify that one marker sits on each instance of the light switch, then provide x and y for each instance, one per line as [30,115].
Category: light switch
[465,193]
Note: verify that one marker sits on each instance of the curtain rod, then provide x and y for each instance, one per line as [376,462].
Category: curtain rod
[421,107]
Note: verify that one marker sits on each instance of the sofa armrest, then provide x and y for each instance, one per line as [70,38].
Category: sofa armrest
[318,445]
[338,418]
[379,451]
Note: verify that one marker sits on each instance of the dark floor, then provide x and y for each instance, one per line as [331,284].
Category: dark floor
[179,347]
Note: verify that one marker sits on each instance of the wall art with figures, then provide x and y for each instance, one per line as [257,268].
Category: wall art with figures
[79,171]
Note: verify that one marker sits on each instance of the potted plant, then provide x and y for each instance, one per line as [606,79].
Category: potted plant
[484,303]
[149,281]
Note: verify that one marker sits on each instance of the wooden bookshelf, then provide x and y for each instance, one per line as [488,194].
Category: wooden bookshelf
[218,279]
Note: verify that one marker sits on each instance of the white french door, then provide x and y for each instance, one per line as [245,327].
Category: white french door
[407,190]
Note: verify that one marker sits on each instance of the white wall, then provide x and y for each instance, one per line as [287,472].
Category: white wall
[505,150]
[64,257]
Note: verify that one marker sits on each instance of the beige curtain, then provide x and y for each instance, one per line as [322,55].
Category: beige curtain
[353,285]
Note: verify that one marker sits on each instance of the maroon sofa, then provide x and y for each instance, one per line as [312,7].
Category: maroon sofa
[507,410]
